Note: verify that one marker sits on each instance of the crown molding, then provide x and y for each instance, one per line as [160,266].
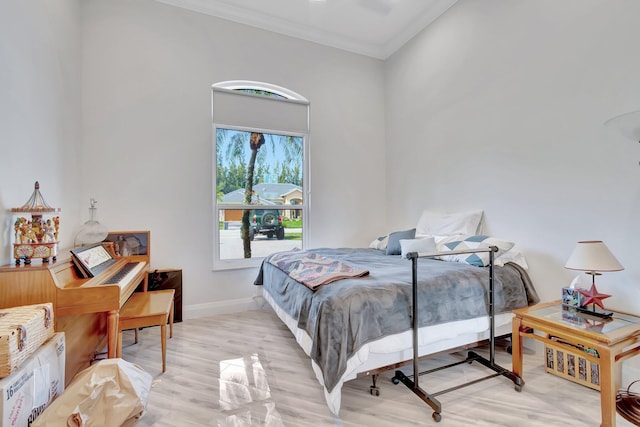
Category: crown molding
[411,30]
[278,25]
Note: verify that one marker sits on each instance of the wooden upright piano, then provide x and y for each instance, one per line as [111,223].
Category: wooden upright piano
[86,309]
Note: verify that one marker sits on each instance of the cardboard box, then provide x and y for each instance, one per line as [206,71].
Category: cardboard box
[29,390]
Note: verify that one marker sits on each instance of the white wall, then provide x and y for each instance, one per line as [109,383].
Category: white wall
[147,73]
[500,105]
[39,112]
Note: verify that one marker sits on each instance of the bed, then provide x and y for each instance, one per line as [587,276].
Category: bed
[354,317]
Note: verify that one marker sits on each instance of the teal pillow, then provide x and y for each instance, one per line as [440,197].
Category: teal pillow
[393,244]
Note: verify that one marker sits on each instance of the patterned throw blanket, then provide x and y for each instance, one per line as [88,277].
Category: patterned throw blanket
[312,269]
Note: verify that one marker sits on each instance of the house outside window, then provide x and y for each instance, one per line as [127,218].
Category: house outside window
[260,172]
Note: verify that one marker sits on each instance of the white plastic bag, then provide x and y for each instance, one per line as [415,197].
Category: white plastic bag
[106,394]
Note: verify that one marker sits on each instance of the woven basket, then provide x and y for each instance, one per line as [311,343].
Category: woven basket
[573,365]
[22,331]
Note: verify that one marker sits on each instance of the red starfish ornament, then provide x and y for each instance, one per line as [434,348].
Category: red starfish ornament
[593,296]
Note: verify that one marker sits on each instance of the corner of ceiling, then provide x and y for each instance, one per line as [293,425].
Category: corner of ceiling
[416,27]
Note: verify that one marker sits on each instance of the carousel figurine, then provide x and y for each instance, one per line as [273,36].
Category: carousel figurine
[36,237]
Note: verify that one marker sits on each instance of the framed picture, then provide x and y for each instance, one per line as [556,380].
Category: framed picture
[129,243]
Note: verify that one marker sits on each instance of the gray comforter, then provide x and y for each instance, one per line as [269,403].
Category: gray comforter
[342,316]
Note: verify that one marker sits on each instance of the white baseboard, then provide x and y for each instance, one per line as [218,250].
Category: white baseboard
[222,307]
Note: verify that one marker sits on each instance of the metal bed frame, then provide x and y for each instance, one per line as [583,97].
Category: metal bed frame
[413,385]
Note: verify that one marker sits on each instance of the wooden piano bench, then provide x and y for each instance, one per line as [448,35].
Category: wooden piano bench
[143,309]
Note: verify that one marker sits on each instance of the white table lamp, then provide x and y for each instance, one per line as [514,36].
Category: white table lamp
[593,257]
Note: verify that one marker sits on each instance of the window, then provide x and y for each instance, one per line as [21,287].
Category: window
[260,172]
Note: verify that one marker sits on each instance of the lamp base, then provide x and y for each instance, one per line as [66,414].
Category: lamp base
[603,314]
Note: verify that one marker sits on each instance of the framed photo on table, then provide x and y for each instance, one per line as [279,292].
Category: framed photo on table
[130,243]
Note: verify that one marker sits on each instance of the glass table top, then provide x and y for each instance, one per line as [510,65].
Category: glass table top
[572,317]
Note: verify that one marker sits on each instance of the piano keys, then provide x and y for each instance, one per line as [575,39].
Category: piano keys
[86,309]
[122,276]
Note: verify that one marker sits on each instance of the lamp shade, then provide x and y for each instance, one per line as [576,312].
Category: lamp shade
[593,255]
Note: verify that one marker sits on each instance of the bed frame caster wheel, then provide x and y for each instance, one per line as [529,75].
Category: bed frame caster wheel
[395,380]
[375,391]
[509,349]
[436,417]
[518,388]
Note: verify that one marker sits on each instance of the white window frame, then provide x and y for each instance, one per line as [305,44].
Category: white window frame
[232,87]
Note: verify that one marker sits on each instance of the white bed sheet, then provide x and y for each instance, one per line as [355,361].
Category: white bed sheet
[396,348]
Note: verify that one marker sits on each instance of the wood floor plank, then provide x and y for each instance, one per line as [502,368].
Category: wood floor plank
[246,369]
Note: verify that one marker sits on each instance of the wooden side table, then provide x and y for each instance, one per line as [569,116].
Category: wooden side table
[614,340]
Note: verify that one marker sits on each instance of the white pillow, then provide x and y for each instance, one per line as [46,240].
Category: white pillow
[426,245]
[436,223]
[480,259]
[380,243]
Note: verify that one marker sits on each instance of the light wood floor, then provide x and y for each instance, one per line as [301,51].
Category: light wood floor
[246,369]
